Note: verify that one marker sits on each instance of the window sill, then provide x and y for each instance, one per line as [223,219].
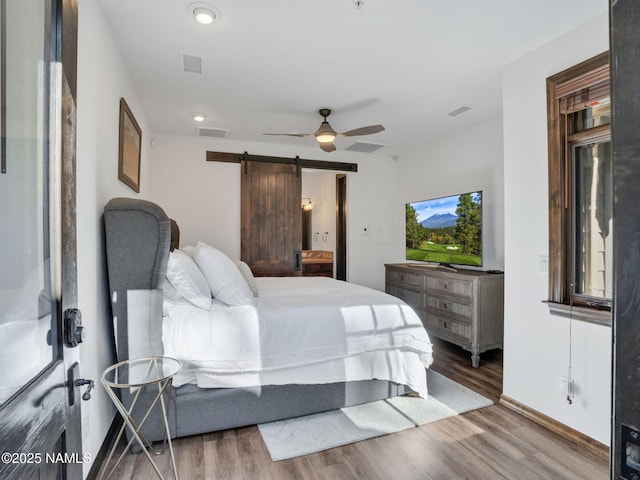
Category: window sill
[584,314]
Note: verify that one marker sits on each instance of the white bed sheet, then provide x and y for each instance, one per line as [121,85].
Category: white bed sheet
[302,330]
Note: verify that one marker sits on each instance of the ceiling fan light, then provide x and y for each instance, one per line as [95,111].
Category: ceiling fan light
[325,137]
[325,134]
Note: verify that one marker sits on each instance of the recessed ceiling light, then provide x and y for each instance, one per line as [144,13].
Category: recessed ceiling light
[198,117]
[204,13]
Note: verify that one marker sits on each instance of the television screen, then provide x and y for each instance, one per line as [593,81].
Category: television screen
[446,230]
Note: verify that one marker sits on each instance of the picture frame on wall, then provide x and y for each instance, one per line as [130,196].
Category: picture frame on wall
[129,148]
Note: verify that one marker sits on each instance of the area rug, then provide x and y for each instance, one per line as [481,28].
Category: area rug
[313,433]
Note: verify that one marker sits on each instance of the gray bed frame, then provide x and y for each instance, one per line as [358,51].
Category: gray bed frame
[137,238]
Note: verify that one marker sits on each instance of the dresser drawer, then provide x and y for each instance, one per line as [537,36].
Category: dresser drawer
[462,310]
[405,277]
[439,325]
[412,297]
[317,268]
[450,286]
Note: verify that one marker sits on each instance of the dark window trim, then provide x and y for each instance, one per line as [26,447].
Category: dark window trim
[560,241]
[585,314]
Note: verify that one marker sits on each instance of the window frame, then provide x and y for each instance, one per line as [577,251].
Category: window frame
[561,299]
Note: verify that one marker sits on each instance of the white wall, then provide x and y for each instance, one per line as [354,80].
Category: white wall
[470,160]
[372,204]
[536,353]
[102,80]
[204,197]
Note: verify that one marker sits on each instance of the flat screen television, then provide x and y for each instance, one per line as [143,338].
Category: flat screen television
[445,231]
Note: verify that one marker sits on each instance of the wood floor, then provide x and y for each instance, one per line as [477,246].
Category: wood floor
[490,443]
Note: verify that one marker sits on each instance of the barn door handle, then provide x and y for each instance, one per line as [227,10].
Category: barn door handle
[297,262]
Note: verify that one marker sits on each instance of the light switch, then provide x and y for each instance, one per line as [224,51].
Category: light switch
[543,263]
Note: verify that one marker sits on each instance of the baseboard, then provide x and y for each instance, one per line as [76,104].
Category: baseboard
[108,442]
[574,436]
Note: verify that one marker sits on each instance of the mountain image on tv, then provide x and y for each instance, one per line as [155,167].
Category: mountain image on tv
[445,230]
[438,220]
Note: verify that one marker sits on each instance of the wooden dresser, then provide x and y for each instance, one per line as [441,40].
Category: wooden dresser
[317,263]
[465,307]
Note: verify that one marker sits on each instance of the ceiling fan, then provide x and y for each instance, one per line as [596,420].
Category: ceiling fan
[325,135]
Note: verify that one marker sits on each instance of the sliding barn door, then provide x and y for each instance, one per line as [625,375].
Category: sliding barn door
[271,218]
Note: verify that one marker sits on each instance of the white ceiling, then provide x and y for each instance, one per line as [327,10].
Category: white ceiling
[268,66]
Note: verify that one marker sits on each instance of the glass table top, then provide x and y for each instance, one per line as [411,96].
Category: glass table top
[139,372]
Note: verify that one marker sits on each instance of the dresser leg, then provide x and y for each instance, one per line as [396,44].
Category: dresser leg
[475,360]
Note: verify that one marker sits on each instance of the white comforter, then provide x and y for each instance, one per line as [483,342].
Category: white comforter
[302,330]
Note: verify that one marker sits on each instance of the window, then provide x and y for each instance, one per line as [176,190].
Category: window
[580,191]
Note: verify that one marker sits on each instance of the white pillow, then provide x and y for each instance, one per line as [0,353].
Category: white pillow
[189,250]
[170,294]
[246,272]
[187,279]
[225,280]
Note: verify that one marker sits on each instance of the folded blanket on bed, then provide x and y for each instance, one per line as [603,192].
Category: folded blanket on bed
[301,330]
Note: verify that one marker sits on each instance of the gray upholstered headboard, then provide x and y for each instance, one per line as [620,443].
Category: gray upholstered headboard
[137,237]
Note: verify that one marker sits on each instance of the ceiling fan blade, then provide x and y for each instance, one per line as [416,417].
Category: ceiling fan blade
[292,134]
[327,147]
[362,131]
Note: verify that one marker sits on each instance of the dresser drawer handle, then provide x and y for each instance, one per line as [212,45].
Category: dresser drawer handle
[445,305]
[445,325]
[445,286]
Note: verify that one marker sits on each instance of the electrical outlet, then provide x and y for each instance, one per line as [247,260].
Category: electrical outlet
[565,384]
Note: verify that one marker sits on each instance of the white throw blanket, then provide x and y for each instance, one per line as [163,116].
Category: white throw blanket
[302,330]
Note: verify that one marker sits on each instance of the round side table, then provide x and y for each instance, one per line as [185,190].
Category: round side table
[136,375]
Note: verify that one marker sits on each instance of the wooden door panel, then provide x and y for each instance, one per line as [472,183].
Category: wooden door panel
[32,424]
[39,419]
[270,217]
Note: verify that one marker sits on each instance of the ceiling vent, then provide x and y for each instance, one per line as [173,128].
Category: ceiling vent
[458,111]
[191,63]
[212,132]
[365,147]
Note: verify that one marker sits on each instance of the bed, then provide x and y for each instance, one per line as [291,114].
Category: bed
[253,350]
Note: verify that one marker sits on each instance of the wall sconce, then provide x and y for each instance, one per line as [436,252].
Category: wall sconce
[307,205]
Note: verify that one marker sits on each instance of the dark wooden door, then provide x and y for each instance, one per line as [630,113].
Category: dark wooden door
[271,217]
[625,90]
[39,415]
